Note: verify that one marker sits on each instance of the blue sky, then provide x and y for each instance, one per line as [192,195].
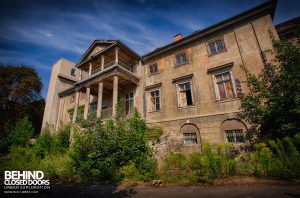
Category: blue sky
[40,32]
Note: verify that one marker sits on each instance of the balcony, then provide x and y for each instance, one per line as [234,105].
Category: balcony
[121,63]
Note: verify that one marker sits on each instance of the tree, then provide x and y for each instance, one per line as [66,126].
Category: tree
[20,96]
[273,104]
[21,132]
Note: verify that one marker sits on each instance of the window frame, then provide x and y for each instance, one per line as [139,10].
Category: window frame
[178,95]
[178,54]
[217,93]
[194,138]
[214,41]
[149,100]
[128,100]
[235,130]
[149,69]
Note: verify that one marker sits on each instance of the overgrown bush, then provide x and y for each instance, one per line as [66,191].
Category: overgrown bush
[21,133]
[199,167]
[109,152]
[279,159]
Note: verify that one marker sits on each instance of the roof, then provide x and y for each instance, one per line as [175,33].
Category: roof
[265,8]
[112,43]
[288,27]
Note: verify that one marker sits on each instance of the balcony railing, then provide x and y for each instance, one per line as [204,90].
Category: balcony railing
[120,62]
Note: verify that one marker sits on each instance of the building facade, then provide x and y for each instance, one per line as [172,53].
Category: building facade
[191,87]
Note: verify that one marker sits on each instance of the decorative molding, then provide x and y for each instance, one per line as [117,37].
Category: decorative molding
[182,78]
[215,69]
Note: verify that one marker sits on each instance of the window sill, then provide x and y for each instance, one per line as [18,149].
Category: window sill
[187,107]
[179,65]
[228,100]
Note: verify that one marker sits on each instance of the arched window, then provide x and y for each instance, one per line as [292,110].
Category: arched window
[190,134]
[234,131]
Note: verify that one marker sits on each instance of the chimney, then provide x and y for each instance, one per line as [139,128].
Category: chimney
[177,37]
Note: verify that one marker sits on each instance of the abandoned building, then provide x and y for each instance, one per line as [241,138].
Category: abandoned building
[190,87]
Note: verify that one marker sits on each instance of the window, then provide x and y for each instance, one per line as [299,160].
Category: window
[129,103]
[73,72]
[93,107]
[153,68]
[235,136]
[224,86]
[185,95]
[154,101]
[216,46]
[104,104]
[189,138]
[181,59]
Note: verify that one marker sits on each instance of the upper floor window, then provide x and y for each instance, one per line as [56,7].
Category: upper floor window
[216,46]
[153,68]
[129,99]
[184,94]
[224,86]
[154,100]
[73,72]
[235,136]
[181,59]
[189,138]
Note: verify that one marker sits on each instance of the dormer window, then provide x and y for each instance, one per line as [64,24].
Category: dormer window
[73,72]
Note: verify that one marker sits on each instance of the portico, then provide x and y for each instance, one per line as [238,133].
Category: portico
[105,77]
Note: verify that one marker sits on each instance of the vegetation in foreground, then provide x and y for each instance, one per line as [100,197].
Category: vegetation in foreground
[118,151]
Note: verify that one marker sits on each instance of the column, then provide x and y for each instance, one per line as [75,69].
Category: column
[117,55]
[102,62]
[115,94]
[99,102]
[59,113]
[76,106]
[87,103]
[90,69]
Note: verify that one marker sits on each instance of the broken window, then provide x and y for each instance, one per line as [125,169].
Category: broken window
[224,86]
[216,46]
[185,94]
[154,101]
[129,103]
[189,138]
[235,136]
[153,68]
[181,59]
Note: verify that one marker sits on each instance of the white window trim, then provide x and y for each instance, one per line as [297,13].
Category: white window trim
[178,95]
[216,87]
[149,100]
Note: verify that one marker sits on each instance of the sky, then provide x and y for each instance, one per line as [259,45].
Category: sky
[39,32]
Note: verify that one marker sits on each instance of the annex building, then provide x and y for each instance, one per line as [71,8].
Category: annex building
[191,87]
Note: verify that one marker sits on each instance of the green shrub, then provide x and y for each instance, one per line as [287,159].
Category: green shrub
[279,159]
[108,152]
[22,131]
